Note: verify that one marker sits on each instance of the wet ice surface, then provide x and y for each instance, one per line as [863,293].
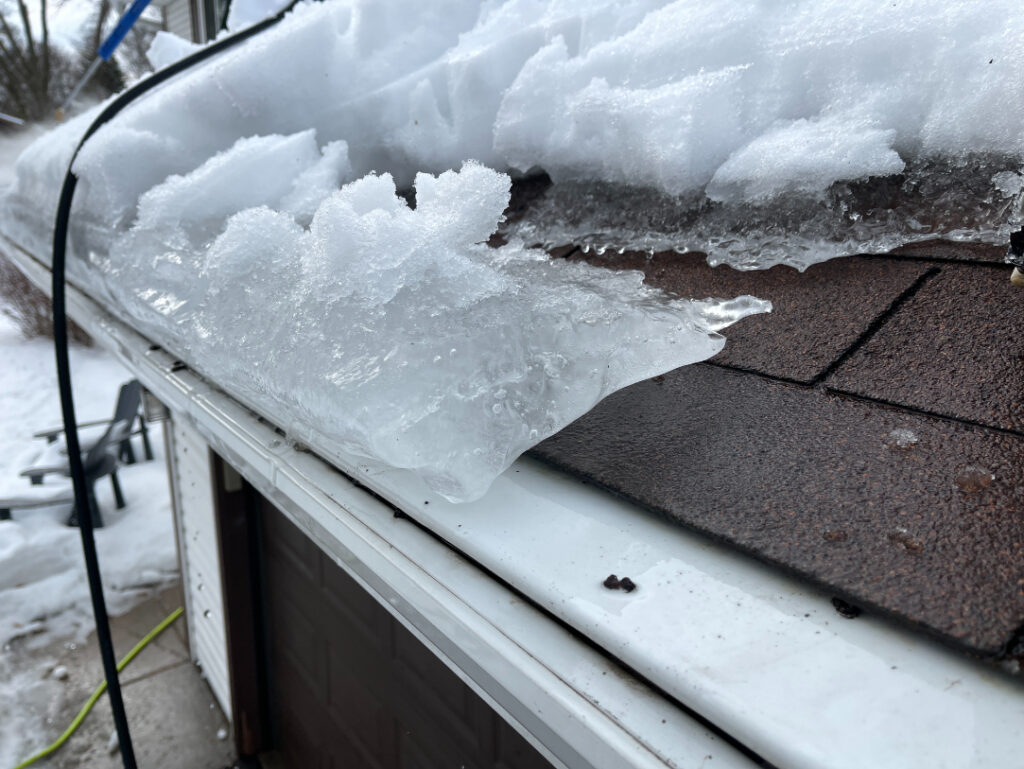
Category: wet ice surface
[393,333]
[902,438]
[209,213]
[972,200]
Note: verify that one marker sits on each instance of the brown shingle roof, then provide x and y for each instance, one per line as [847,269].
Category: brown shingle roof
[888,467]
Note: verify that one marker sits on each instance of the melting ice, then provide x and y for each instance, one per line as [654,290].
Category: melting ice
[395,334]
[246,216]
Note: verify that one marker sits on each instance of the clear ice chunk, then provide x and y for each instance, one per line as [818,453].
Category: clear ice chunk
[397,334]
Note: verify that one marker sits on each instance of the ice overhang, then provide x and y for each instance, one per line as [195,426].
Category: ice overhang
[762,656]
[876,476]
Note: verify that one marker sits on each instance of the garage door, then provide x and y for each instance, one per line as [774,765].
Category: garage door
[350,687]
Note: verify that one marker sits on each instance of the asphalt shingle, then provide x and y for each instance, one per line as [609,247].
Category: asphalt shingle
[909,515]
[817,315]
[955,348]
[868,434]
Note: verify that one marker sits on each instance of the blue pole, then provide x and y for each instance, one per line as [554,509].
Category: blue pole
[106,50]
[123,25]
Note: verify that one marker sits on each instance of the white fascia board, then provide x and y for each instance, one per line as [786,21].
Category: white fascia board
[577,706]
[762,656]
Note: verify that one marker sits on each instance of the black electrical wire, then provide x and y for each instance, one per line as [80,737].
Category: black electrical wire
[1015,256]
[60,341]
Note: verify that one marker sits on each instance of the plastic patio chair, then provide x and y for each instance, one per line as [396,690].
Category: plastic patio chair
[100,460]
[101,457]
[129,400]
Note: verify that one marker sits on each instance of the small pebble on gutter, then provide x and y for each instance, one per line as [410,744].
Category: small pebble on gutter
[847,610]
[614,583]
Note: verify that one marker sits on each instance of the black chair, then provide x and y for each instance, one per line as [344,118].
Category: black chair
[99,461]
[101,457]
[129,401]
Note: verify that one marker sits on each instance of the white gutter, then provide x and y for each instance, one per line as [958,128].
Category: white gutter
[762,656]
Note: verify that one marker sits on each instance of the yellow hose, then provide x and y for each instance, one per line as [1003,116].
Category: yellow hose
[56,745]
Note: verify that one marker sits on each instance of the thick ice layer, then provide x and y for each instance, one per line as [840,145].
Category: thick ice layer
[960,200]
[288,173]
[395,333]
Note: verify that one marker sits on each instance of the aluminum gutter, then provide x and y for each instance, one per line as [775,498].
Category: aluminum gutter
[762,656]
[577,706]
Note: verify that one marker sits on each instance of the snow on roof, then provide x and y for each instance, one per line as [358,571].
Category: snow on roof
[210,214]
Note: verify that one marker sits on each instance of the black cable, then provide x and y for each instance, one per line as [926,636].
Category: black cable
[60,341]
[1015,256]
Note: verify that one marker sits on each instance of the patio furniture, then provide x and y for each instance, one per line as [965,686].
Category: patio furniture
[100,460]
[129,400]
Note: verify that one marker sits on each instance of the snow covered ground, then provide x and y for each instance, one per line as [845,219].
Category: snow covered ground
[43,592]
[42,583]
[13,145]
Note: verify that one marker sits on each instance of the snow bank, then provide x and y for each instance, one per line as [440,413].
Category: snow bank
[29,693]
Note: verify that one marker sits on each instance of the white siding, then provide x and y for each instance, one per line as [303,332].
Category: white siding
[178,18]
[200,567]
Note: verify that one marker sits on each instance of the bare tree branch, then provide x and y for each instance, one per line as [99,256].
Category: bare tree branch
[97,32]
[12,82]
[27,25]
[35,76]
[46,48]
[14,44]
[16,65]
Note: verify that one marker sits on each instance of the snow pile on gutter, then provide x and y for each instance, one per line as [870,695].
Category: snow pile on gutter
[213,213]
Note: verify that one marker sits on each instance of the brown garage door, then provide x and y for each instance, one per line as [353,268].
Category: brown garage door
[350,687]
